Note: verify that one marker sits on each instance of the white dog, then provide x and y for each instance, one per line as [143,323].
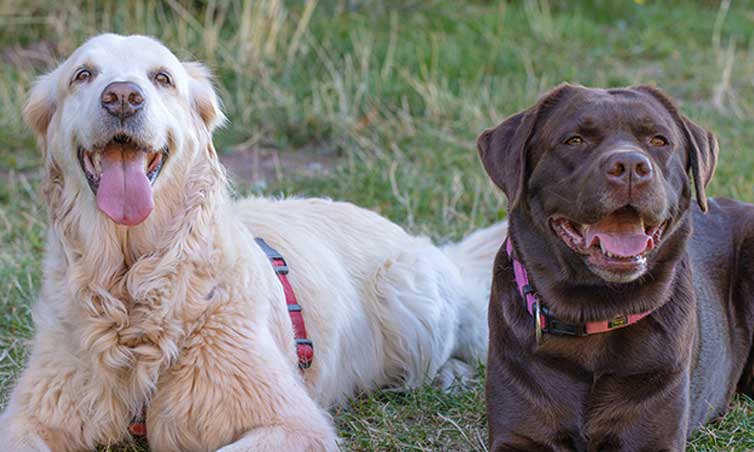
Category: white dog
[156,296]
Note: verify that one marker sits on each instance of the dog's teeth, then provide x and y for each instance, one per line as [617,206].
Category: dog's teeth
[97,160]
[602,247]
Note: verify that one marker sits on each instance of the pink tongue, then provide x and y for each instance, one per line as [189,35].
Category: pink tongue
[124,192]
[621,233]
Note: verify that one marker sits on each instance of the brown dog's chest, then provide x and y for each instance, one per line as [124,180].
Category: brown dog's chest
[591,392]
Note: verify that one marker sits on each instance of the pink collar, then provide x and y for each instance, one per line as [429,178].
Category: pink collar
[547,322]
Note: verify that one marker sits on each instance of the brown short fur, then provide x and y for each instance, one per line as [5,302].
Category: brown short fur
[646,386]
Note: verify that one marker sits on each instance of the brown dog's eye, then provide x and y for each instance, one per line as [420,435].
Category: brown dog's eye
[163,79]
[574,140]
[659,141]
[82,75]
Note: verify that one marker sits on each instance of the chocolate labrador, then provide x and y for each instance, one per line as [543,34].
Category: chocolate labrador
[643,300]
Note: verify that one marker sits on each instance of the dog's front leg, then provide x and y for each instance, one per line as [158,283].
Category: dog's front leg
[21,434]
[279,438]
[232,413]
[56,405]
[234,389]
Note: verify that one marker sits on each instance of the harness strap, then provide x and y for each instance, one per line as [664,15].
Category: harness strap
[138,426]
[304,346]
[547,322]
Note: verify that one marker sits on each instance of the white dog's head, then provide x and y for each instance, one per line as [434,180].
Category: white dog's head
[119,116]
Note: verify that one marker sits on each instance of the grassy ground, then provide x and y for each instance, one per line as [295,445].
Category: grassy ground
[386,97]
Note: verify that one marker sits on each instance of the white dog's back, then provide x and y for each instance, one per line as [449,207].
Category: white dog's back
[419,305]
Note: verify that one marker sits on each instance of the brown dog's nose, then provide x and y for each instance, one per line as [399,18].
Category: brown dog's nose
[122,99]
[625,167]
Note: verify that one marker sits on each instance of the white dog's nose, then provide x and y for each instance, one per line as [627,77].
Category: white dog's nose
[122,99]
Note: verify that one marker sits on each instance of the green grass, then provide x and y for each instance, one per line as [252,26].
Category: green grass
[395,93]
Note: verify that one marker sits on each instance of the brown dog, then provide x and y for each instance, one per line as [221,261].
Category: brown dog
[645,327]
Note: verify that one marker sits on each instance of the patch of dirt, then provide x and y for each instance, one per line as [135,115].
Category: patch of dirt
[260,166]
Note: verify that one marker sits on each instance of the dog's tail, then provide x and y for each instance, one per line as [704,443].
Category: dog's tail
[474,257]
[475,254]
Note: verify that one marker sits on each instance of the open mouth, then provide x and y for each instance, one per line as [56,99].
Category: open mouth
[618,243]
[121,174]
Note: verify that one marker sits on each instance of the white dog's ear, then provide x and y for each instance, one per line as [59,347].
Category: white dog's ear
[42,103]
[203,96]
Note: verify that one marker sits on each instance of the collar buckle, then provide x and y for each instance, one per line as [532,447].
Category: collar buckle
[555,326]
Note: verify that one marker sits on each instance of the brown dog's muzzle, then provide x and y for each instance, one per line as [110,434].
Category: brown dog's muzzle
[623,221]
[630,169]
[625,176]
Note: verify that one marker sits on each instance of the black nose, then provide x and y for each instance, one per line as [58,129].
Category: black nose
[122,99]
[629,167]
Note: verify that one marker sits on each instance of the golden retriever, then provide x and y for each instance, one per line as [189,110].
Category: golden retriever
[156,296]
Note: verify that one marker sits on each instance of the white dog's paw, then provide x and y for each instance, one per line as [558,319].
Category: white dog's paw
[18,435]
[454,374]
[277,443]
[249,448]
[26,443]
[232,448]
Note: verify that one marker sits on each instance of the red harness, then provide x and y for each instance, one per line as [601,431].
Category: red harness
[545,322]
[304,346]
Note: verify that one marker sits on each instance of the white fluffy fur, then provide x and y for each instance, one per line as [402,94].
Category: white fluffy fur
[184,312]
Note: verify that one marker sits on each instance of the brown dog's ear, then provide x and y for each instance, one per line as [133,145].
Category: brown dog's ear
[701,146]
[503,148]
[702,153]
[42,103]
[203,95]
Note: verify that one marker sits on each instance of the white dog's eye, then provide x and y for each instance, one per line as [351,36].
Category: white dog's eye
[163,79]
[82,75]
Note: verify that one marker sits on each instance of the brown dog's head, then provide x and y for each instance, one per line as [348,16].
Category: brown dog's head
[601,174]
